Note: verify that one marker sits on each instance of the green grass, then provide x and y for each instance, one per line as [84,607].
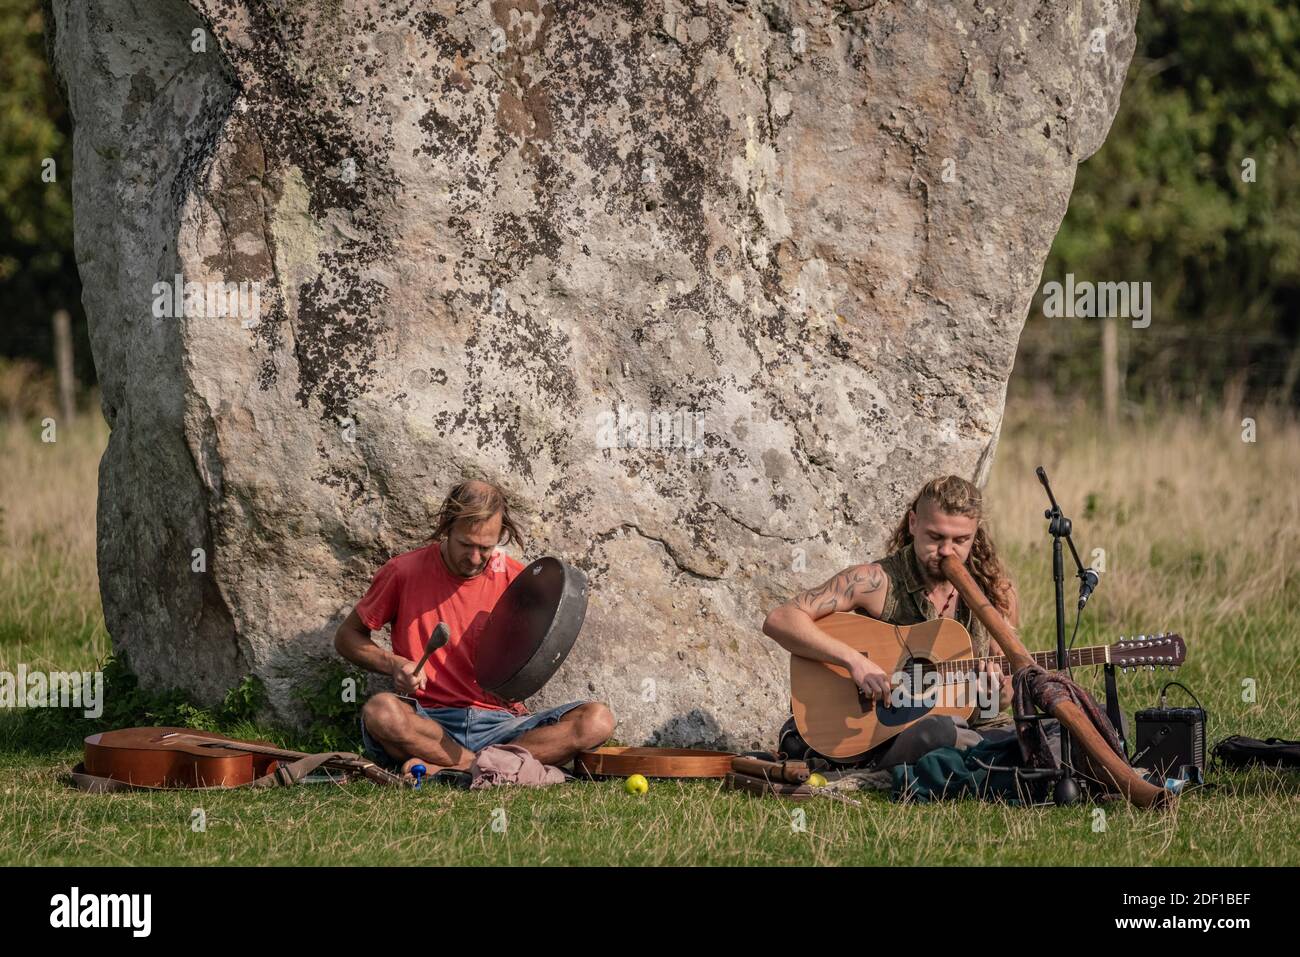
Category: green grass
[1200,539]
[1249,819]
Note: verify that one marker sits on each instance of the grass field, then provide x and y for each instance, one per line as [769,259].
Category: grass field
[1200,532]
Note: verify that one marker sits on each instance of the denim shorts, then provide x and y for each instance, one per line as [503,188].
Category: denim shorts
[471,728]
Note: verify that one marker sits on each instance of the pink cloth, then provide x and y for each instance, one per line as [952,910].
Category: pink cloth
[511,764]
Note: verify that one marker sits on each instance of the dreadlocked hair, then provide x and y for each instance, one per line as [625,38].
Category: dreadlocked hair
[954,495]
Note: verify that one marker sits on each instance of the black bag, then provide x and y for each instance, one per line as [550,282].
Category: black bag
[1241,752]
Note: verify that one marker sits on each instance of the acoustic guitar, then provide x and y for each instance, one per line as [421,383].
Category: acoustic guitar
[188,758]
[934,667]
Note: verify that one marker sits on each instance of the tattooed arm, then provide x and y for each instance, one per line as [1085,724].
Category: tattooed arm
[792,625]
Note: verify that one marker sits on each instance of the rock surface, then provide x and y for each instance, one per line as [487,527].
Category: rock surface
[803,236]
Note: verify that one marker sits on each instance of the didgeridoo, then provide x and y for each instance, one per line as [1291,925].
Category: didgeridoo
[1125,780]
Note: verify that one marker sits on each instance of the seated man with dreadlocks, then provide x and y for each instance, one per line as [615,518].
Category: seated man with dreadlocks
[904,588]
[457,578]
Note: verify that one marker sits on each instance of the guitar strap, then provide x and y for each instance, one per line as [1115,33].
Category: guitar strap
[898,637]
[1114,711]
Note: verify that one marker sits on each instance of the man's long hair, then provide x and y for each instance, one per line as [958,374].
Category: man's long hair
[476,502]
[954,495]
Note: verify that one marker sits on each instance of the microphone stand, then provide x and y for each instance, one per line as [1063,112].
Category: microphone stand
[1059,527]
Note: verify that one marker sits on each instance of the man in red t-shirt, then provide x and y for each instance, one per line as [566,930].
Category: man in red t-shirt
[441,717]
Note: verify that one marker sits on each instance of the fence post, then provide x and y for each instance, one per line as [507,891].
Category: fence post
[63,364]
[1110,370]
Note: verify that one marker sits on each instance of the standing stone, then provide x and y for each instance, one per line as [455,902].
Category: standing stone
[709,287]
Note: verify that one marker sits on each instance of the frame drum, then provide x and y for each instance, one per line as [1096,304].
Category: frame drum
[531,629]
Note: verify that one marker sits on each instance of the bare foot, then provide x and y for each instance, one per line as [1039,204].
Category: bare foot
[431,769]
[412,762]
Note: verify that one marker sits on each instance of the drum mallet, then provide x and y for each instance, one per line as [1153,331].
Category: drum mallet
[436,641]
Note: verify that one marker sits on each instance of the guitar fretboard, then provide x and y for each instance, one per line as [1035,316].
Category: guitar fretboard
[1093,655]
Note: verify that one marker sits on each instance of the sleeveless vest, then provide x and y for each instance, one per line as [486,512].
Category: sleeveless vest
[908,604]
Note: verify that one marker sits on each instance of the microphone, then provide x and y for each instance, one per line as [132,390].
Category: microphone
[436,641]
[1090,582]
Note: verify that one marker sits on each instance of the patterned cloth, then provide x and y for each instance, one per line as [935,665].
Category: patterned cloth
[1046,689]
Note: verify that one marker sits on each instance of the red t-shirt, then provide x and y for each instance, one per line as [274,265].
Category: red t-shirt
[416,590]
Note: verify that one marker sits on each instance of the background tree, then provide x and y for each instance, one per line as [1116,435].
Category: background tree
[38,273]
[1214,89]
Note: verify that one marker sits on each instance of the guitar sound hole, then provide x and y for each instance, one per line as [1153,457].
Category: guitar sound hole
[913,671]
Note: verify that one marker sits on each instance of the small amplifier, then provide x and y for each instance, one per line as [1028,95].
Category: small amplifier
[1169,739]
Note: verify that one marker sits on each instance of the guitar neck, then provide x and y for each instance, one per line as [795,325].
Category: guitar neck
[1092,655]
